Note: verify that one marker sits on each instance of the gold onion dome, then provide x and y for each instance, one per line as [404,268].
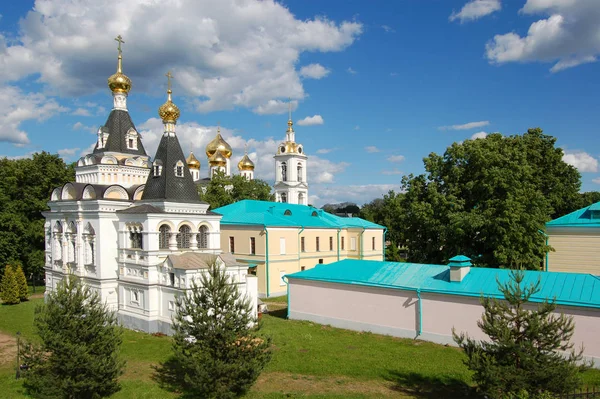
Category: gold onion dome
[169,112]
[119,82]
[290,129]
[220,145]
[192,161]
[217,159]
[246,163]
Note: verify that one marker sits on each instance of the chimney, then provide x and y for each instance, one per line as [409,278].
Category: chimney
[460,266]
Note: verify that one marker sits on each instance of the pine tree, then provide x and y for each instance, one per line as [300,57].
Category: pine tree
[522,356]
[22,282]
[9,288]
[80,341]
[216,351]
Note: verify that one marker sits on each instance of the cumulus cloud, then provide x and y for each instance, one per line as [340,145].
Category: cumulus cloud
[466,126]
[325,150]
[479,135]
[371,149]
[275,107]
[581,160]
[569,35]
[223,53]
[351,71]
[314,71]
[67,153]
[476,9]
[396,158]
[311,121]
[596,180]
[359,194]
[81,126]
[18,107]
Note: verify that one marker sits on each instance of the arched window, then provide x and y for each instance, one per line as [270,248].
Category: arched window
[179,169]
[283,172]
[299,172]
[301,198]
[203,237]
[183,238]
[164,232]
[287,212]
[157,168]
[58,235]
[89,238]
[283,197]
[135,237]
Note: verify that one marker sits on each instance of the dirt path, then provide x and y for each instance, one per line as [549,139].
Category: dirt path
[8,349]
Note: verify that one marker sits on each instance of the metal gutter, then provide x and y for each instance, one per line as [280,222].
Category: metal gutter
[268,283]
[338,243]
[362,247]
[547,252]
[420,301]
[287,283]
[383,243]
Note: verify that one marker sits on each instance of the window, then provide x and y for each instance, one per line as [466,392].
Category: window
[179,169]
[203,237]
[353,244]
[373,243]
[252,245]
[172,278]
[282,245]
[130,143]
[164,232]
[232,245]
[283,197]
[331,243]
[157,168]
[283,172]
[302,268]
[301,199]
[135,296]
[299,170]
[131,139]
[287,213]
[342,243]
[183,238]
[171,305]
[317,244]
[320,261]
[302,247]
[135,237]
[314,213]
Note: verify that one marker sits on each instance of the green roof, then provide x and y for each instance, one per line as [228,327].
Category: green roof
[588,216]
[573,289]
[278,214]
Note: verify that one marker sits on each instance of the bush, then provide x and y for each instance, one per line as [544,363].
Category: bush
[9,288]
[21,282]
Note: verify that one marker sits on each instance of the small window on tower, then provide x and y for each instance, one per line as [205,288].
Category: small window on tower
[179,169]
[282,149]
[157,168]
[299,150]
[132,139]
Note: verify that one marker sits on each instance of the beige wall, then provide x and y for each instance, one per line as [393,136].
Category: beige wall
[574,251]
[395,312]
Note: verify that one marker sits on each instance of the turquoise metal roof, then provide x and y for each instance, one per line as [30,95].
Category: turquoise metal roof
[571,289]
[277,214]
[587,216]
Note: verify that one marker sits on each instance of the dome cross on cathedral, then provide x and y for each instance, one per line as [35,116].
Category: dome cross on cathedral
[119,39]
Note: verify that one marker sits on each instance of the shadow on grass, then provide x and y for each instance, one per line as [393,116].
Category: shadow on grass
[279,313]
[424,387]
[168,376]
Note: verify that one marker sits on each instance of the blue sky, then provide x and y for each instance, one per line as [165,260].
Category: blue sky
[384,83]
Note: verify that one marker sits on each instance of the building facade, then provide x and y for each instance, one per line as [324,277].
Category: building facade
[275,239]
[133,230]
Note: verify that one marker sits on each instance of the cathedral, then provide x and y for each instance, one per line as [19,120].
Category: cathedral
[132,227]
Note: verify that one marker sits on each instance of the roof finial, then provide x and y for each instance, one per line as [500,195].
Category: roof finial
[169,112]
[246,148]
[218,127]
[169,77]
[290,108]
[119,82]
[120,40]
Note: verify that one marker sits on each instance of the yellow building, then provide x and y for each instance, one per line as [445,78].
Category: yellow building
[276,239]
[575,239]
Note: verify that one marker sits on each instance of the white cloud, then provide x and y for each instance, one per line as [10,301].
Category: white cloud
[596,180]
[479,135]
[359,194]
[371,149]
[81,126]
[396,158]
[224,53]
[18,107]
[569,36]
[351,71]
[311,121]
[67,153]
[466,126]
[325,150]
[476,9]
[275,107]
[81,112]
[392,172]
[581,160]
[388,29]
[314,71]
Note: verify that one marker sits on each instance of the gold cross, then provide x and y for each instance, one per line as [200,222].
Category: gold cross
[169,77]
[120,40]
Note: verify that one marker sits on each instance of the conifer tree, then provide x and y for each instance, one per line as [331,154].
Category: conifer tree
[21,281]
[522,357]
[9,288]
[216,351]
[80,341]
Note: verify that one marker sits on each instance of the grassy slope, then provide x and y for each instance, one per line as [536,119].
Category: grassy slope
[310,361]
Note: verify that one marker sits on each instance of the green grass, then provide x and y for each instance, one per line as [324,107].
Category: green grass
[309,361]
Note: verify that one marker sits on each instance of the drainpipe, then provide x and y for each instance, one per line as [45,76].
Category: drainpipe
[267,259]
[383,244]
[362,247]
[287,283]
[547,252]
[338,243]
[420,329]
[299,249]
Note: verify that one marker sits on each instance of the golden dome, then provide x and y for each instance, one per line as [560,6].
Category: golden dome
[169,112]
[217,159]
[246,163]
[218,144]
[192,161]
[119,82]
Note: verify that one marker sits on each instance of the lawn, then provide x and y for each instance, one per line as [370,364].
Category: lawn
[309,361]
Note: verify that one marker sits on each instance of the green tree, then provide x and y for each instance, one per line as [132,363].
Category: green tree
[21,282]
[80,342]
[9,288]
[216,352]
[386,211]
[224,190]
[488,199]
[523,354]
[25,188]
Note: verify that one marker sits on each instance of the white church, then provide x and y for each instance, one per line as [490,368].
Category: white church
[133,228]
